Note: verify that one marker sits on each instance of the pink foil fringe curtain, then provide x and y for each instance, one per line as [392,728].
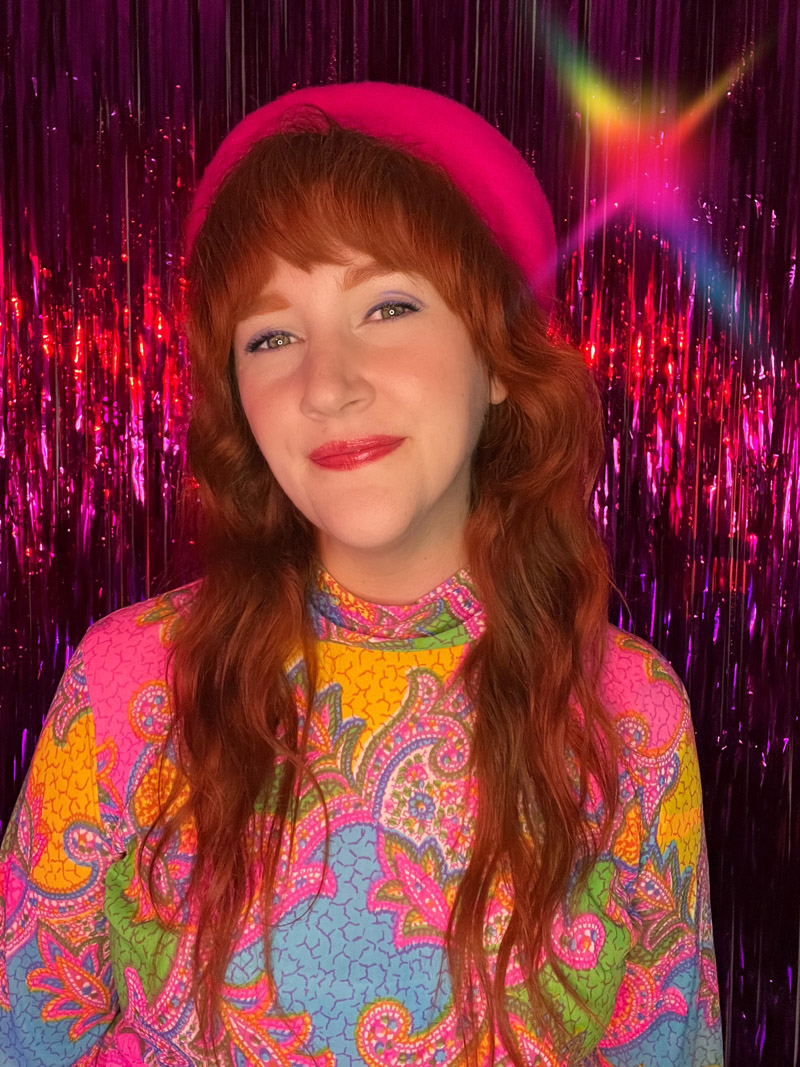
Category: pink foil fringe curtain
[667,137]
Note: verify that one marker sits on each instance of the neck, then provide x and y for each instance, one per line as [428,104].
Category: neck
[393,578]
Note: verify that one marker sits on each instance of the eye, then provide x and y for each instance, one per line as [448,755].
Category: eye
[394,309]
[270,339]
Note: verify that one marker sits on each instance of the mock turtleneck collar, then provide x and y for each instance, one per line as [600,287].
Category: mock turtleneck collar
[448,615]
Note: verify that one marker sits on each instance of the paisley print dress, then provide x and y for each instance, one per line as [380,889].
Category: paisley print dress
[88,977]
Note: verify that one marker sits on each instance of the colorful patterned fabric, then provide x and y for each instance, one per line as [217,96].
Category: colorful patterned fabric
[87,976]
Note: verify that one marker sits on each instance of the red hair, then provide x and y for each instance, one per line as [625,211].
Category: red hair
[544,750]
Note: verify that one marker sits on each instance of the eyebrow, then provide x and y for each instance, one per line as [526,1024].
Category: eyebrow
[272,300]
[364,273]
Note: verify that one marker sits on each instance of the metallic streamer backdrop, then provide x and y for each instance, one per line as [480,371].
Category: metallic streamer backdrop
[667,137]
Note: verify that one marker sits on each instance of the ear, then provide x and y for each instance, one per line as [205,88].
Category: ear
[497,391]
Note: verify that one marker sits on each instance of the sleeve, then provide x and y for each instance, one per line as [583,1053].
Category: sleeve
[57,997]
[667,1008]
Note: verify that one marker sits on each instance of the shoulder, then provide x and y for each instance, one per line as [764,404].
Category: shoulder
[135,637]
[143,620]
[644,694]
[124,660]
[649,705]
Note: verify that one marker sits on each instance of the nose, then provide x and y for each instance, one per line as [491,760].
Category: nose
[332,377]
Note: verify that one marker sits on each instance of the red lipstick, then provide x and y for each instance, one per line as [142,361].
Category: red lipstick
[347,455]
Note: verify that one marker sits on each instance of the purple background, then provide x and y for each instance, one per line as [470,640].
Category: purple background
[684,297]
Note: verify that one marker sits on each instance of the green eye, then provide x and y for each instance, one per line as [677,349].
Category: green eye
[277,340]
[271,339]
[394,309]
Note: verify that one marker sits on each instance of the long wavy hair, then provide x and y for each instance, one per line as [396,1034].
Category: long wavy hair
[544,752]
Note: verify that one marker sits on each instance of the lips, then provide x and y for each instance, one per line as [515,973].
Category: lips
[355,446]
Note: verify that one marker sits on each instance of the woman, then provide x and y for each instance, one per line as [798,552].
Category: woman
[383,787]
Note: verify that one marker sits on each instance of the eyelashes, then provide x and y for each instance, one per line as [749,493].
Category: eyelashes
[265,338]
[390,305]
[282,337]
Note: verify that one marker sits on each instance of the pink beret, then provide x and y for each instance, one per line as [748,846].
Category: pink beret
[479,160]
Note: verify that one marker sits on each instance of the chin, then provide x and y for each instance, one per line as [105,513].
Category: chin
[367,538]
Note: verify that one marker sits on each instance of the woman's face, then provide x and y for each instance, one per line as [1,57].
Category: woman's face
[342,353]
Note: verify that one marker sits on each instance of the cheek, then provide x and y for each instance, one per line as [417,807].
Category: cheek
[263,414]
[449,395]
[461,397]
